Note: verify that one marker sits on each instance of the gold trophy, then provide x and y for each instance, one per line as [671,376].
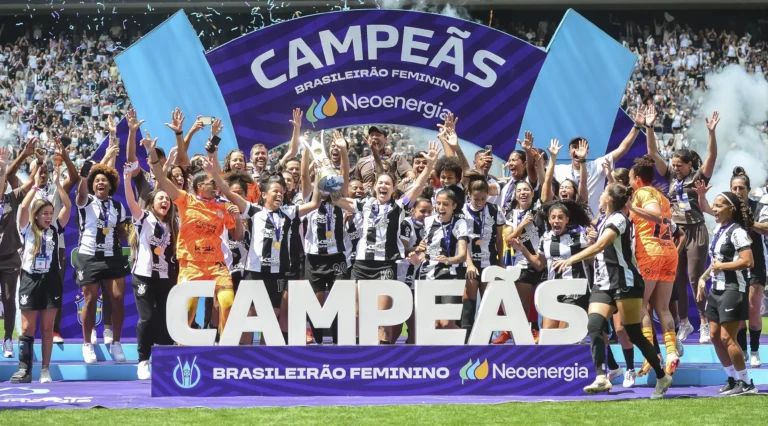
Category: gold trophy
[330,179]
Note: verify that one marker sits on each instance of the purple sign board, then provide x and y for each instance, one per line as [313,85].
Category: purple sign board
[370,370]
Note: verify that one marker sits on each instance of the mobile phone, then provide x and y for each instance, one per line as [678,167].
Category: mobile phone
[207,120]
[489,148]
[86,169]
[214,142]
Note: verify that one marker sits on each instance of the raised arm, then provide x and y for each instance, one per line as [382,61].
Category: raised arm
[66,203]
[82,188]
[701,189]
[624,146]
[423,177]
[306,163]
[709,163]
[449,124]
[72,175]
[212,168]
[154,163]
[114,144]
[583,190]
[650,137]
[547,193]
[293,145]
[530,160]
[130,197]
[130,145]
[342,145]
[314,203]
[182,143]
[10,175]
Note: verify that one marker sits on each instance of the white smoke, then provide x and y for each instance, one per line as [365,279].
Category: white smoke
[453,11]
[742,101]
[6,134]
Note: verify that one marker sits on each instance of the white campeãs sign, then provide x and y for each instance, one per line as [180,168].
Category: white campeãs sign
[340,302]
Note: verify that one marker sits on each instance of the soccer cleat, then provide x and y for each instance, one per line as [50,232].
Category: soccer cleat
[116,350]
[679,348]
[94,337]
[89,355]
[535,334]
[57,338]
[728,386]
[8,348]
[503,337]
[662,385]
[754,359]
[629,379]
[612,374]
[685,329]
[22,376]
[45,376]
[646,367]
[742,388]
[704,331]
[601,384]
[108,336]
[672,363]
[143,372]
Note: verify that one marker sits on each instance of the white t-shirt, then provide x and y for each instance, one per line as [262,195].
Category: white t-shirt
[595,178]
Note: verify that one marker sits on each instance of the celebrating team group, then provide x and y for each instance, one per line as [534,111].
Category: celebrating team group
[439,218]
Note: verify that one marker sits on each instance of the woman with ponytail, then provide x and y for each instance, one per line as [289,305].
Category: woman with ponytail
[682,175]
[728,302]
[40,288]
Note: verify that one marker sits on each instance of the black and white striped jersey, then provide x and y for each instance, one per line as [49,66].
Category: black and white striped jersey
[616,266]
[411,233]
[235,251]
[381,226]
[47,258]
[558,247]
[155,257]
[759,254]
[271,238]
[99,220]
[441,239]
[529,237]
[354,227]
[728,241]
[483,229]
[51,194]
[325,230]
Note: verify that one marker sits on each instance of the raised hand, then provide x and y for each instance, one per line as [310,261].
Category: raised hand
[554,147]
[113,151]
[216,127]
[581,150]
[133,123]
[58,147]
[434,149]
[701,188]
[297,115]
[29,149]
[148,142]
[207,165]
[339,141]
[172,154]
[234,211]
[57,177]
[199,125]
[527,142]
[650,116]
[177,121]
[640,116]
[5,155]
[712,122]
[371,144]
[127,172]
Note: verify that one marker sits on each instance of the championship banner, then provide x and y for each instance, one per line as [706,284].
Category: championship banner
[370,370]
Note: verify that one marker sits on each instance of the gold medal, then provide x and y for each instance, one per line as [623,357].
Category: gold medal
[329,234]
[158,251]
[105,231]
[276,245]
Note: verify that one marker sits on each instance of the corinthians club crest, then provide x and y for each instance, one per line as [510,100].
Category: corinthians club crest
[80,303]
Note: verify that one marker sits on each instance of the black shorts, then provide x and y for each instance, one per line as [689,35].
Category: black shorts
[237,276]
[374,270]
[275,284]
[529,276]
[38,292]
[609,297]
[93,270]
[581,301]
[323,271]
[727,306]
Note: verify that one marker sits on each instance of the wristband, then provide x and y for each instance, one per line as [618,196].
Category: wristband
[636,127]
[154,162]
[34,188]
[39,163]
[582,160]
[179,133]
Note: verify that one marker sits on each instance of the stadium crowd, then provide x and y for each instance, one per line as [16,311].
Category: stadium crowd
[265,216]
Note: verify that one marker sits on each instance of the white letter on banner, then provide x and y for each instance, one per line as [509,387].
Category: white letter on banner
[370,315]
[259,75]
[409,44]
[374,44]
[548,307]
[294,62]
[303,303]
[252,292]
[427,312]
[330,42]
[501,290]
[457,45]
[490,74]
[176,313]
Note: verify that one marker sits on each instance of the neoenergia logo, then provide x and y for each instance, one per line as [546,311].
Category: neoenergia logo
[474,371]
[320,110]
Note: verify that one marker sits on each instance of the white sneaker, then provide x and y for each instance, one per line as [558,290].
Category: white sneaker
[57,338]
[704,330]
[601,384]
[629,379]
[108,336]
[612,374]
[685,329]
[89,355]
[45,376]
[8,348]
[94,337]
[116,350]
[662,385]
[143,371]
[679,348]
[754,359]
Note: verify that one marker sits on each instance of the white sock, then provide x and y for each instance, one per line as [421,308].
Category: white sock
[731,372]
[743,375]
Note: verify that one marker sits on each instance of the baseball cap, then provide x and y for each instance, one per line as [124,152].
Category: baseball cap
[377,130]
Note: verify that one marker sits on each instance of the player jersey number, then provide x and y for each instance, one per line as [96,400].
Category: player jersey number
[662,230]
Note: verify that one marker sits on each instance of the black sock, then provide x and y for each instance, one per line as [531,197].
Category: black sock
[741,338]
[635,333]
[611,360]
[754,340]
[629,358]
[596,323]
[26,343]
[468,317]
[285,336]
[384,342]
[656,342]
[677,329]
[335,331]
